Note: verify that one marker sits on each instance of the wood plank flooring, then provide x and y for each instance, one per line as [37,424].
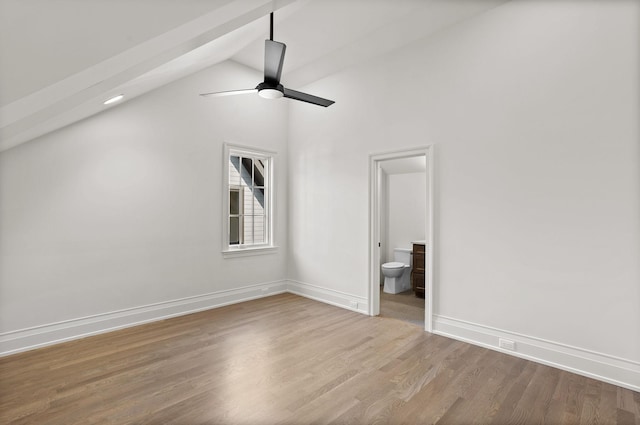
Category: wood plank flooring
[290,360]
[404,306]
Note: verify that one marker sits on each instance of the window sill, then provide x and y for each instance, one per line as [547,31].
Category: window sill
[246,252]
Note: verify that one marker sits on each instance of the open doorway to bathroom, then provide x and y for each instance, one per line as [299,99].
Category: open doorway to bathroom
[401,235]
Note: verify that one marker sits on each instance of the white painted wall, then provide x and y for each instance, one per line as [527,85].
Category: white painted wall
[406,210]
[123,209]
[534,110]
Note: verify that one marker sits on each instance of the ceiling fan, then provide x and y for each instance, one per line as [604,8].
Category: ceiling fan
[271,88]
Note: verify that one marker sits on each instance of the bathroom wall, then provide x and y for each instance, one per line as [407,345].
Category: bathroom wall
[406,210]
[121,213]
[533,109]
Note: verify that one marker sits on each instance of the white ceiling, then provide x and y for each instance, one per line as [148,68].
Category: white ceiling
[59,60]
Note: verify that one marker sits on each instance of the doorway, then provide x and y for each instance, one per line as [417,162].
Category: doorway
[378,214]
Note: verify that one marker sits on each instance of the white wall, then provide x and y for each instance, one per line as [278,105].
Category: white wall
[406,210]
[534,110]
[123,209]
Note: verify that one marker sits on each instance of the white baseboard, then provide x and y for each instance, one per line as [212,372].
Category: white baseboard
[622,372]
[329,296]
[617,371]
[40,336]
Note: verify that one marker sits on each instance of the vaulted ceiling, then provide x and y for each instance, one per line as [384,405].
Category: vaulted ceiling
[59,60]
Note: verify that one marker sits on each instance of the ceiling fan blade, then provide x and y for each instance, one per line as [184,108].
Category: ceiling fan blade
[309,98]
[273,60]
[229,92]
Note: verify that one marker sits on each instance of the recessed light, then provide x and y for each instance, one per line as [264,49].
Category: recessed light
[114,99]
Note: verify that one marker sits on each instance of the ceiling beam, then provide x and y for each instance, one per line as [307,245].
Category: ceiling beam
[57,105]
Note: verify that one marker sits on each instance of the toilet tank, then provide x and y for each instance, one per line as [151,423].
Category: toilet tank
[402,255]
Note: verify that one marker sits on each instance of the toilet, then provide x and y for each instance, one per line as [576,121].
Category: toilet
[397,273]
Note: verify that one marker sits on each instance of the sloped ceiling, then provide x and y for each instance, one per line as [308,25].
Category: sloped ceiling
[60,59]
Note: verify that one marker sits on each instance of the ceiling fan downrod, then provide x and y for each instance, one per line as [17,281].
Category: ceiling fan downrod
[271,27]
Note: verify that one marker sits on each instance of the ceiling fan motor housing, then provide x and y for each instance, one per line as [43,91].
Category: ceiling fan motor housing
[270,91]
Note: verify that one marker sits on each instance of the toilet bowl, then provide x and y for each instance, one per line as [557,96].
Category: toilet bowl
[397,273]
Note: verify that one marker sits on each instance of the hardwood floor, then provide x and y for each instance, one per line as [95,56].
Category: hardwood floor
[290,360]
[404,306]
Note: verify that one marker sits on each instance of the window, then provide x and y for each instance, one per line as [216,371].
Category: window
[247,206]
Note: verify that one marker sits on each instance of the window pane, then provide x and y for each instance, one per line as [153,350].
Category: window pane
[234,201]
[245,172]
[248,230]
[234,230]
[247,202]
[234,170]
[258,229]
[259,171]
[258,201]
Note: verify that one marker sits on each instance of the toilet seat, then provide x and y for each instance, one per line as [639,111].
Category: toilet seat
[393,265]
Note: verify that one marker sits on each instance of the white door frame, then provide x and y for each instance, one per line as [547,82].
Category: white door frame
[375,225]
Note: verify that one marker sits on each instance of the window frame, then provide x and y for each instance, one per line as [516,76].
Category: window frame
[232,250]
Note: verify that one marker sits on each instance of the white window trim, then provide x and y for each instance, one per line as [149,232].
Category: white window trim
[230,251]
